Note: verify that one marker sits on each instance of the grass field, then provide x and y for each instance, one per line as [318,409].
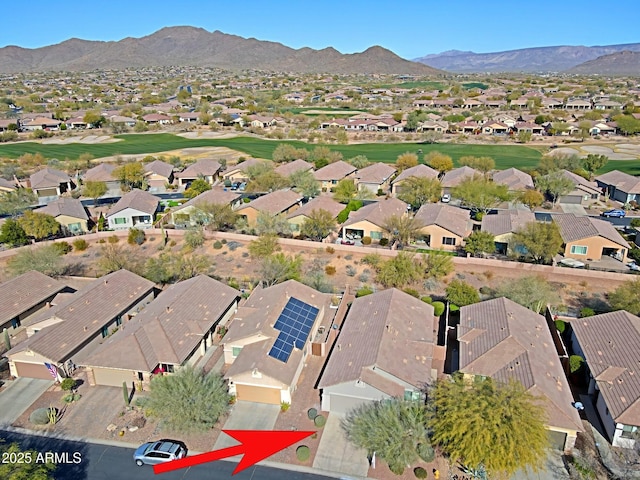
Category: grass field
[506,156]
[480,85]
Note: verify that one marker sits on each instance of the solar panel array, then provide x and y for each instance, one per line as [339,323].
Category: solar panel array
[294,323]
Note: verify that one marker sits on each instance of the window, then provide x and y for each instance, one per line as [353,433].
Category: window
[629,431]
[105,331]
[578,250]
[120,220]
[411,395]
[448,241]
[119,320]
[140,376]
[376,235]
[235,351]
[74,227]
[167,367]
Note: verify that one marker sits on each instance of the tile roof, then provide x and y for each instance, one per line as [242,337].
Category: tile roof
[513,178]
[215,196]
[574,228]
[169,328]
[506,221]
[23,292]
[85,313]
[386,332]
[450,218]
[203,167]
[453,177]
[8,184]
[334,171]
[292,167]
[417,171]
[503,340]
[375,173]
[100,173]
[378,212]
[322,202]
[138,200]
[158,167]
[581,182]
[243,166]
[70,207]
[610,345]
[274,202]
[48,177]
[622,181]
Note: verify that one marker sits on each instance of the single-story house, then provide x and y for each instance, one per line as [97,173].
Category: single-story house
[420,171]
[158,174]
[583,191]
[514,179]
[495,128]
[102,172]
[609,345]
[502,226]
[269,340]
[297,217]
[188,117]
[274,203]
[7,185]
[134,209]
[122,120]
[620,186]
[454,177]
[70,213]
[157,119]
[187,213]
[375,178]
[383,350]
[532,128]
[443,227]
[238,172]
[331,174]
[40,123]
[24,295]
[65,334]
[587,238]
[286,169]
[174,330]
[206,169]
[505,341]
[50,182]
[370,220]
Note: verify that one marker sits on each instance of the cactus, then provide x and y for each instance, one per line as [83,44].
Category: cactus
[7,339]
[125,393]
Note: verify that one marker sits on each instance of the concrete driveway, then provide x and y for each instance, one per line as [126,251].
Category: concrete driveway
[576,209]
[18,395]
[336,454]
[248,416]
[553,470]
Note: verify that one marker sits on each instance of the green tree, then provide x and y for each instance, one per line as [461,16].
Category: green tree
[326,154]
[46,259]
[189,400]
[480,193]
[93,118]
[482,164]
[39,225]
[130,175]
[555,184]
[626,297]
[16,201]
[318,225]
[94,190]
[198,186]
[593,162]
[285,152]
[304,183]
[279,268]
[532,291]
[344,191]
[114,257]
[359,161]
[524,136]
[416,191]
[214,216]
[26,470]
[270,181]
[264,246]
[482,423]
[540,240]
[461,293]
[396,430]
[272,224]
[12,234]
[439,161]
[400,270]
[531,198]
[480,242]
[402,228]
[406,160]
[158,270]
[627,124]
[438,266]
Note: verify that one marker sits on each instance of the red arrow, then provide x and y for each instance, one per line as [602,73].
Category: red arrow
[255,445]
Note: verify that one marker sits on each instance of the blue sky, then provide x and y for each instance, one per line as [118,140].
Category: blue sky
[409,28]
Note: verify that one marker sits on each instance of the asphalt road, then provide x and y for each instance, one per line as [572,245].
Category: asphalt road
[101,462]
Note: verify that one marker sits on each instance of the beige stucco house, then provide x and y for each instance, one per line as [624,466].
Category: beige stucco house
[371,219]
[70,213]
[444,227]
[587,238]
[275,203]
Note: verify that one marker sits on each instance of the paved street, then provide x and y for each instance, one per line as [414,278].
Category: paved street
[18,395]
[101,462]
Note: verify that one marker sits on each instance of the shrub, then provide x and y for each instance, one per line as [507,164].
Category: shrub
[303,453]
[330,270]
[560,325]
[194,238]
[438,308]
[224,241]
[330,250]
[396,468]
[366,240]
[284,406]
[420,472]
[384,242]
[362,291]
[71,397]
[67,384]
[62,247]
[312,413]
[412,291]
[102,240]
[41,416]
[427,299]
[351,271]
[587,312]
[453,307]
[233,245]
[217,245]
[113,239]
[364,277]
[485,290]
[319,421]
[135,237]
[80,244]
[348,257]
[425,452]
[172,243]
[575,363]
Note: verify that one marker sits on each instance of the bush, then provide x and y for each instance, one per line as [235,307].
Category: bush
[384,242]
[135,237]
[67,384]
[453,307]
[412,291]
[80,244]
[224,241]
[396,468]
[330,270]
[319,421]
[425,452]
[575,363]
[217,245]
[71,397]
[560,325]
[485,290]
[351,271]
[330,250]
[366,240]
[284,406]
[303,453]
[312,413]
[420,472]
[362,291]
[62,247]
[194,238]
[233,245]
[587,312]
[427,299]
[113,239]
[438,308]
[40,416]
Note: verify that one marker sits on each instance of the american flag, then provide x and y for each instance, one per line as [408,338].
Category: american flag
[52,370]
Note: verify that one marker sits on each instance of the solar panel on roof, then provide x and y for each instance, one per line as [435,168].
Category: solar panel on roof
[294,323]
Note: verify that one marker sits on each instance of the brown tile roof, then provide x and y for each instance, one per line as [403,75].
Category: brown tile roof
[506,221]
[257,317]
[292,167]
[85,314]
[376,173]
[23,292]
[274,202]
[503,340]
[622,181]
[70,207]
[378,212]
[513,178]
[453,177]
[243,166]
[386,332]
[323,202]
[204,167]
[417,171]
[580,182]
[169,329]
[158,167]
[610,345]
[334,171]
[7,184]
[48,177]
[450,218]
[100,173]
[574,228]
[215,196]
[138,200]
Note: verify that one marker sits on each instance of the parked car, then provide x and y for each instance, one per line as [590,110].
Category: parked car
[160,451]
[633,266]
[446,198]
[616,212]
[572,262]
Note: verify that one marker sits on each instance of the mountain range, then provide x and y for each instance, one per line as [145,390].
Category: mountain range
[536,60]
[190,46]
